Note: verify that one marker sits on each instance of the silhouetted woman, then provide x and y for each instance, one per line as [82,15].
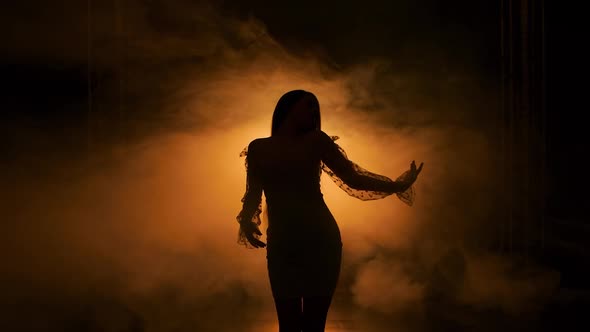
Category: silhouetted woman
[303,246]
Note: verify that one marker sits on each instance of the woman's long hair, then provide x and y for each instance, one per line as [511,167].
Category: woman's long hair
[285,104]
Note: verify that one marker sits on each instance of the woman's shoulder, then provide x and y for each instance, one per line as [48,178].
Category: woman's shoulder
[257,144]
[321,138]
[260,145]
[320,135]
[316,138]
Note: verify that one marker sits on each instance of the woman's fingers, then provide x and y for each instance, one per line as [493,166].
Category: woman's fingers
[413,167]
[252,228]
[255,242]
[419,168]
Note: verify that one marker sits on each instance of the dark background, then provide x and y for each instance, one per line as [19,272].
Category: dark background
[567,143]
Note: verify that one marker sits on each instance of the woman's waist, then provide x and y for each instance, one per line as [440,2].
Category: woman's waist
[302,222]
[300,210]
[294,199]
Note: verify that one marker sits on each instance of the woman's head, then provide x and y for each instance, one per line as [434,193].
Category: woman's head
[298,109]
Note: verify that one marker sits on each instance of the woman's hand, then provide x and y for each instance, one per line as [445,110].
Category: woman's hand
[415,171]
[249,229]
[410,176]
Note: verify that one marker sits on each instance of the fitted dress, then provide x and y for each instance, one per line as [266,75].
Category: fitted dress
[304,246]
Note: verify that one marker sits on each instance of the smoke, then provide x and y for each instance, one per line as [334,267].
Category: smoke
[136,230]
[511,285]
[386,287]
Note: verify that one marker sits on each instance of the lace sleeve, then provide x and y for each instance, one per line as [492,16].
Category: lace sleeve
[251,202]
[375,183]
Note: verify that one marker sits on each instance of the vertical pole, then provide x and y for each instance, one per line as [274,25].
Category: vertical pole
[501,124]
[121,63]
[509,110]
[543,121]
[524,123]
[89,78]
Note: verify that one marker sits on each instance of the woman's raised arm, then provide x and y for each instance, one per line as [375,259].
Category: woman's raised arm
[357,181]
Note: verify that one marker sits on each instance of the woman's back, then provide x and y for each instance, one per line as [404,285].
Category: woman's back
[304,245]
[289,167]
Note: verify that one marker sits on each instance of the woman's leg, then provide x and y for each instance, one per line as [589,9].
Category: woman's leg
[289,313]
[324,276]
[315,312]
[283,278]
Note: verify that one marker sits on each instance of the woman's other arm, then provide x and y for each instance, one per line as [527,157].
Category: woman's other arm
[253,194]
[249,215]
